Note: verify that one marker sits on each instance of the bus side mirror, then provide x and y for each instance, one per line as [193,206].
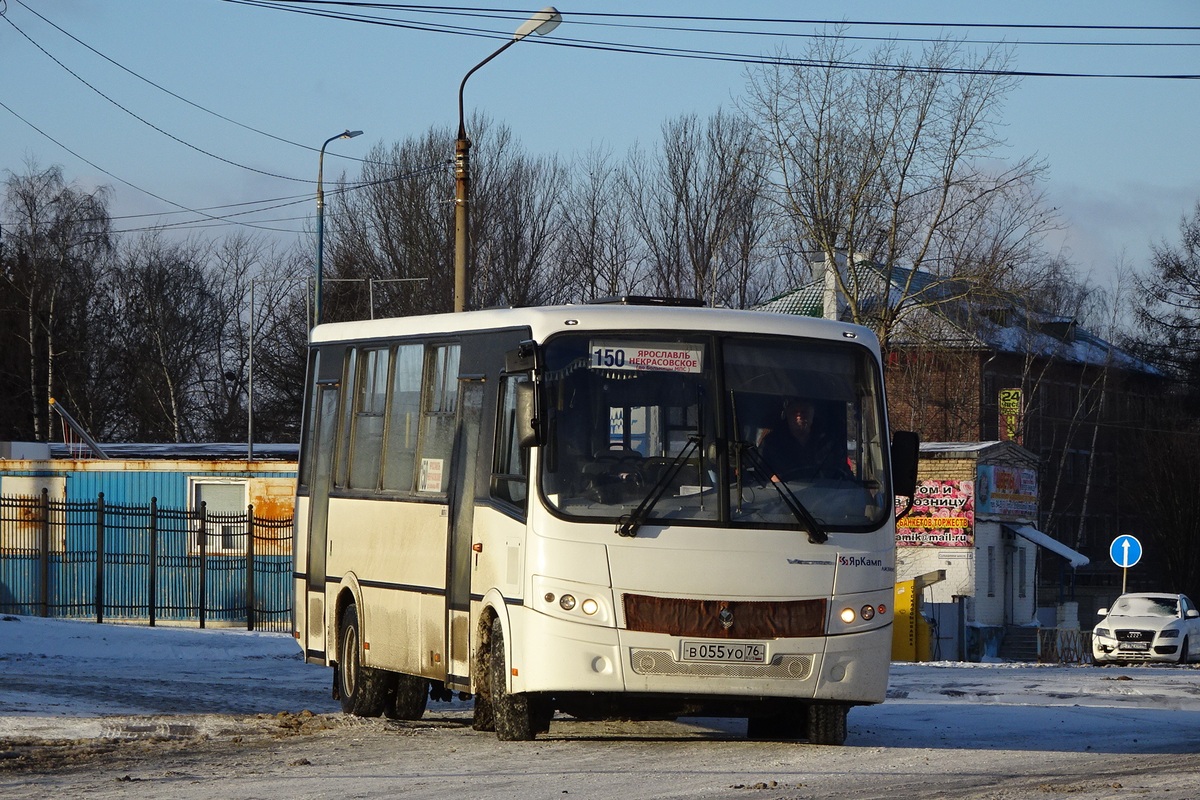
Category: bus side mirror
[906,447]
[522,358]
[527,424]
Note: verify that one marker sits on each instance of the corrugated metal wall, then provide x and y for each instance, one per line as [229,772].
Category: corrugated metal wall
[91,559]
[140,575]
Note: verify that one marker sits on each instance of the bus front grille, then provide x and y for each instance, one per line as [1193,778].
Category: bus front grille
[725,619]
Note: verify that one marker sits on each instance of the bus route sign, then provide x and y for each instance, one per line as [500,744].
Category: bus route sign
[1125,551]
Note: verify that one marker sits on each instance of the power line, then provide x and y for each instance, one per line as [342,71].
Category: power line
[142,119]
[122,180]
[522,13]
[210,221]
[331,9]
[710,55]
[177,96]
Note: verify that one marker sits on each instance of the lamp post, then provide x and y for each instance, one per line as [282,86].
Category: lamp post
[321,221]
[540,23]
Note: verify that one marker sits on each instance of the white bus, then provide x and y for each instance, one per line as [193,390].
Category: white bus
[574,509]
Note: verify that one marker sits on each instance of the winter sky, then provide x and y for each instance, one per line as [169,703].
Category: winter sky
[205,104]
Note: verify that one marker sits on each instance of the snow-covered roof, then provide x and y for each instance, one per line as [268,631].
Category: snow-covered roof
[1076,559]
[940,311]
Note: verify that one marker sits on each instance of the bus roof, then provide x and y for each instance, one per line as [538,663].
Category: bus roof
[544,321]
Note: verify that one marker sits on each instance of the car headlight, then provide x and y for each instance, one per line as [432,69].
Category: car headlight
[1103,632]
[1169,633]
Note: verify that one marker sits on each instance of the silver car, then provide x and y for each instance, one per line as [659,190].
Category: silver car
[1147,626]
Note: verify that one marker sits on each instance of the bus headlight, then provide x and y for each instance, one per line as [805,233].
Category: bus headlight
[850,615]
[572,600]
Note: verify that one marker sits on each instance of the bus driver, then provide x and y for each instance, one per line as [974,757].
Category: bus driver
[798,450]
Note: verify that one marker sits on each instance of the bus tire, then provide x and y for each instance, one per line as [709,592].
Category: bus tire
[827,723]
[512,713]
[364,692]
[483,718]
[409,699]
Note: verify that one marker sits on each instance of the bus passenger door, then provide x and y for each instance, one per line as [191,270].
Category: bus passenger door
[323,441]
[462,518]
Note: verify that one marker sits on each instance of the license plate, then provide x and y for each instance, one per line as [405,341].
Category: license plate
[727,652]
[1133,646]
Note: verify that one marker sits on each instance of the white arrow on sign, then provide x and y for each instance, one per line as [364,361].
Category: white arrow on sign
[1125,551]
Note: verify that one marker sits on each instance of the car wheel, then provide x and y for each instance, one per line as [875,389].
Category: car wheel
[1183,651]
[364,692]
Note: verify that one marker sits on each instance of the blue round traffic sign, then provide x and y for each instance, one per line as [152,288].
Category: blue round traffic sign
[1125,551]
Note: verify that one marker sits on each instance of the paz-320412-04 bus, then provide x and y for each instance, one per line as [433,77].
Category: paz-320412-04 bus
[625,509]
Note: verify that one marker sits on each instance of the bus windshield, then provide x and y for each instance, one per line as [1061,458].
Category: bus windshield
[742,431]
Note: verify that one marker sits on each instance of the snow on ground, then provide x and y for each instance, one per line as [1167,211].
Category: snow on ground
[1038,731]
[62,678]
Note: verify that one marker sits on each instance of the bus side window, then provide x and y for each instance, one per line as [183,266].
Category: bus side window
[404,419]
[510,468]
[439,418]
[370,395]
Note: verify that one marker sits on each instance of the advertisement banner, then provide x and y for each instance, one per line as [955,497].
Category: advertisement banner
[943,515]
[1010,415]
[1006,491]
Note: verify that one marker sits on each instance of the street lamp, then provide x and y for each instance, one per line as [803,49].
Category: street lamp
[540,23]
[321,221]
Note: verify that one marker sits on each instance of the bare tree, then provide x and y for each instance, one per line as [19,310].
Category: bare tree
[238,272]
[697,207]
[598,248]
[55,261]
[169,328]
[392,235]
[280,341]
[896,165]
[393,232]
[517,208]
[1167,309]
[1167,319]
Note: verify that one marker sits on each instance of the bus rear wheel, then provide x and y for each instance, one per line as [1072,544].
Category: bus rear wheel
[511,713]
[408,699]
[364,692]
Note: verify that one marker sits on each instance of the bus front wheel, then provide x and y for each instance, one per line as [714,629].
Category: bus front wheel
[511,713]
[364,692]
[827,723]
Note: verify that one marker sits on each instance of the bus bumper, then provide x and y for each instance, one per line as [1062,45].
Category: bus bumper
[570,657]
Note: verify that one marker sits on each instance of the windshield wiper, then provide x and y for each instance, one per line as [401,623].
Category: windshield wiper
[816,531]
[628,525]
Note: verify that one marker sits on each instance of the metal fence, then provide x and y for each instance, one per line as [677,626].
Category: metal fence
[1064,646]
[89,559]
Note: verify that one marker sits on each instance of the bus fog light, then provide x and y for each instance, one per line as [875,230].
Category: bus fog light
[566,602]
[590,606]
[549,597]
[847,615]
[867,612]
